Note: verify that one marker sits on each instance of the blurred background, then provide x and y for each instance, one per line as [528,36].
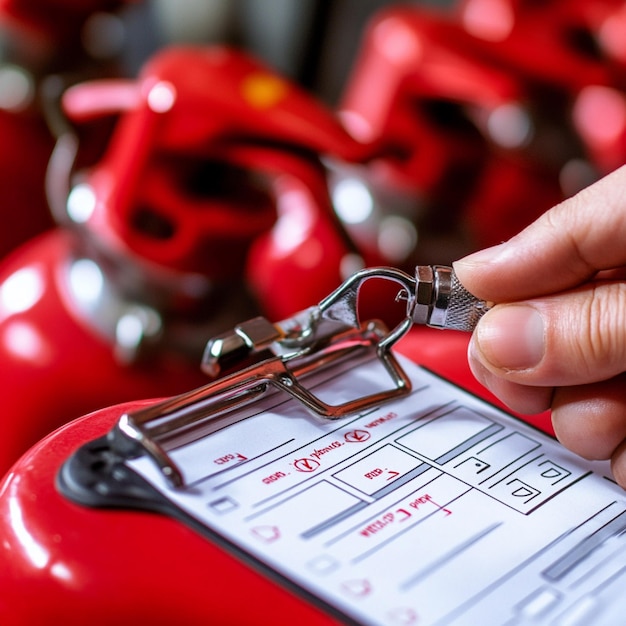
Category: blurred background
[170,168]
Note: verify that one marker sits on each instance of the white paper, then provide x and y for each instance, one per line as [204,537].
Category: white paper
[433,509]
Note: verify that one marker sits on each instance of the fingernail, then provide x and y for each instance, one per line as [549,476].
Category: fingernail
[511,337]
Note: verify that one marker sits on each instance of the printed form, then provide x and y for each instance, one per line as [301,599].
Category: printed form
[436,508]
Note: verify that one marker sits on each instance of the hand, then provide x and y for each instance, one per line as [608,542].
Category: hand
[557,336]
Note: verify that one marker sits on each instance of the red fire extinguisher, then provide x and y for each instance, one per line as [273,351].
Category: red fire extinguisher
[212,154]
[488,114]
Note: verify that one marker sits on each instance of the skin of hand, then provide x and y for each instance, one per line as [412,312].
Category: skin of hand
[556,337]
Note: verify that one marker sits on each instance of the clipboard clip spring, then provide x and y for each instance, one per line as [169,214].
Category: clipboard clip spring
[258,355]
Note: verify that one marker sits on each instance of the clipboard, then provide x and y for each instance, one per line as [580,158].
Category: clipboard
[411,502]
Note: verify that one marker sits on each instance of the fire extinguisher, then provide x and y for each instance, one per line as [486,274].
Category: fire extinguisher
[487,115]
[210,191]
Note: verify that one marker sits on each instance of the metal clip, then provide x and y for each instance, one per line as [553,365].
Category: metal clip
[280,354]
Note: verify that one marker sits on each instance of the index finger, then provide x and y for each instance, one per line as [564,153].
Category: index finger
[563,248]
